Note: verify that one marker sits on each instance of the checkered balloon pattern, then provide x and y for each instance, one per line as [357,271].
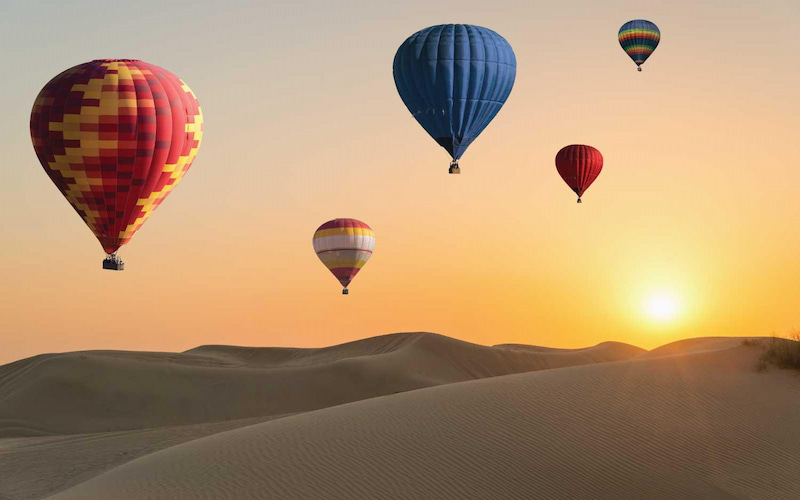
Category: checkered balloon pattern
[116,136]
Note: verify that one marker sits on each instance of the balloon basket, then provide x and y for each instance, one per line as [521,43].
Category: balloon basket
[579,200]
[345,291]
[454,168]
[638,68]
[113,263]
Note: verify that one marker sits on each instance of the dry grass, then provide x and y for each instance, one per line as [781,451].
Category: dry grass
[783,353]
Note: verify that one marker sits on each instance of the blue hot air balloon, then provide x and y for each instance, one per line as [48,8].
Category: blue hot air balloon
[454,78]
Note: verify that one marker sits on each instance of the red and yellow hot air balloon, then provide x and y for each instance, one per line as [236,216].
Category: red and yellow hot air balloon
[344,246]
[579,165]
[116,136]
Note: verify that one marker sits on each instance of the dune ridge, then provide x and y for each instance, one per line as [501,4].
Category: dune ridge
[696,345]
[703,424]
[104,391]
[35,467]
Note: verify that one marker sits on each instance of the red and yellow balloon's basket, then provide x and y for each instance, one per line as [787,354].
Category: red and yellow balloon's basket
[113,262]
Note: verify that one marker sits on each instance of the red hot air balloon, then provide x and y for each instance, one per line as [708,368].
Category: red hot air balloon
[579,166]
[116,136]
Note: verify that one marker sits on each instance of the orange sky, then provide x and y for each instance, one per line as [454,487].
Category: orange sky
[303,124]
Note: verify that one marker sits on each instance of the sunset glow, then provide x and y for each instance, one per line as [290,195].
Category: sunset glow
[691,228]
[662,307]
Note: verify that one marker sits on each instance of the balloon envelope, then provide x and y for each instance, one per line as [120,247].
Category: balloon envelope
[116,136]
[639,38]
[454,78]
[344,246]
[579,165]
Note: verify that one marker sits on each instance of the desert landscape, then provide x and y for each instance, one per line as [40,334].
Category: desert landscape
[408,415]
[360,250]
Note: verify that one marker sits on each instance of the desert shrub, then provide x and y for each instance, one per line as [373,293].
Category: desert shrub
[783,353]
[751,342]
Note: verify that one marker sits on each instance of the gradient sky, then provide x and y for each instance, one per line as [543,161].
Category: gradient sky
[303,124]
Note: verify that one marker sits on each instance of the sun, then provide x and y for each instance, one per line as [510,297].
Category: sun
[662,306]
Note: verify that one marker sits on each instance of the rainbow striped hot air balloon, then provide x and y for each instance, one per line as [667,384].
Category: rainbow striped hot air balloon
[344,246]
[639,38]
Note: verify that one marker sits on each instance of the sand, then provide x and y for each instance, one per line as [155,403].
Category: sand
[36,467]
[689,420]
[103,391]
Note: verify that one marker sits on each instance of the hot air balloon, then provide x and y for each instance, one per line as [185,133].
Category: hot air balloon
[116,136]
[344,246]
[639,38]
[454,78]
[579,166]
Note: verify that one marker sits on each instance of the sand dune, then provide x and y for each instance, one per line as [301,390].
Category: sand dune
[703,424]
[35,467]
[695,345]
[102,391]
[692,419]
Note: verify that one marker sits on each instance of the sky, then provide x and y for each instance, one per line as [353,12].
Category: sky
[695,206]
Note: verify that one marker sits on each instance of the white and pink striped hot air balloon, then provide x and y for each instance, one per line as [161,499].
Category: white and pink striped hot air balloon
[344,246]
